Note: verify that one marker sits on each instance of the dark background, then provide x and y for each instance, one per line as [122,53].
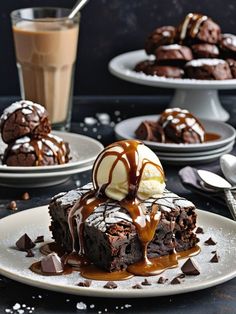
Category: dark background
[108,28]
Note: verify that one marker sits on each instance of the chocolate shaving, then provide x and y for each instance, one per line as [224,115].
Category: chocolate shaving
[110,285]
[30,253]
[214,259]
[210,242]
[175,281]
[39,239]
[213,252]
[146,283]
[189,268]
[162,280]
[25,243]
[181,276]
[137,286]
[199,230]
[86,283]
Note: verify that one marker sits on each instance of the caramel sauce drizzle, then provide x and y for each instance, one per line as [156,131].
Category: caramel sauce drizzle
[191,25]
[182,121]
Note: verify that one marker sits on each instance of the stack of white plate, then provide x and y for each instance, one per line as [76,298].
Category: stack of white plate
[84,151]
[184,154]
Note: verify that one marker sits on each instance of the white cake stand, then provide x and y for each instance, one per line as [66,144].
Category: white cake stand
[200,97]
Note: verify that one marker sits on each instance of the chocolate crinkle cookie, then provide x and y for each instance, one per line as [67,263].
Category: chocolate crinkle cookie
[45,151]
[173,55]
[197,28]
[228,45]
[208,69]
[232,65]
[23,118]
[164,35]
[205,51]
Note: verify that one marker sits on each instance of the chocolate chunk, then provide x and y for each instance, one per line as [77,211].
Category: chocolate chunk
[25,196]
[39,239]
[25,243]
[175,281]
[199,230]
[214,259]
[86,283]
[146,283]
[12,205]
[137,286]
[162,280]
[210,242]
[52,264]
[110,285]
[30,253]
[189,268]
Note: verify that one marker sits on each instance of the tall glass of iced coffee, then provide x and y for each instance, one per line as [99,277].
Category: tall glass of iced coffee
[46,45]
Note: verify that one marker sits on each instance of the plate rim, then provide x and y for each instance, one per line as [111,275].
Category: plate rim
[180,147]
[124,293]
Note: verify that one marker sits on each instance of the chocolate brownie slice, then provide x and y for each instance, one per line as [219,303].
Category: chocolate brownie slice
[110,237]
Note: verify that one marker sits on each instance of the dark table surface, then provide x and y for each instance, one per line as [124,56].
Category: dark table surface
[219,299]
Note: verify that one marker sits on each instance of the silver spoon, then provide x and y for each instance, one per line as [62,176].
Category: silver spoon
[216,182]
[78,6]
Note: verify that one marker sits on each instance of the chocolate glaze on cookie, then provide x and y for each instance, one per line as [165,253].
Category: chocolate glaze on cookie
[24,118]
[48,150]
[164,35]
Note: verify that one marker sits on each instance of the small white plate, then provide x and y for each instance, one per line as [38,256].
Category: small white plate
[126,129]
[35,222]
[193,160]
[123,65]
[84,151]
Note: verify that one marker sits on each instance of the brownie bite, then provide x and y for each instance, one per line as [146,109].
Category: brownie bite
[164,35]
[197,28]
[228,45]
[24,118]
[208,69]
[205,51]
[43,151]
[173,55]
[150,131]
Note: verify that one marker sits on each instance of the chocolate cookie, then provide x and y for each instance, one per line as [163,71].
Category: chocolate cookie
[24,118]
[198,28]
[205,51]
[143,66]
[164,35]
[48,150]
[228,45]
[232,65]
[165,71]
[180,126]
[173,55]
[150,131]
[208,69]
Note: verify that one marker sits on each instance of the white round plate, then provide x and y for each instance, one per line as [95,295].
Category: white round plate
[193,160]
[126,129]
[35,222]
[122,66]
[84,151]
[196,154]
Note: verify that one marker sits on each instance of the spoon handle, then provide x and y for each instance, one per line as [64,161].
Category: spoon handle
[231,202]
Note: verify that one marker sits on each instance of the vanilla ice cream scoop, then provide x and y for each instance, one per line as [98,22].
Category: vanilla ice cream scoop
[128,169]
